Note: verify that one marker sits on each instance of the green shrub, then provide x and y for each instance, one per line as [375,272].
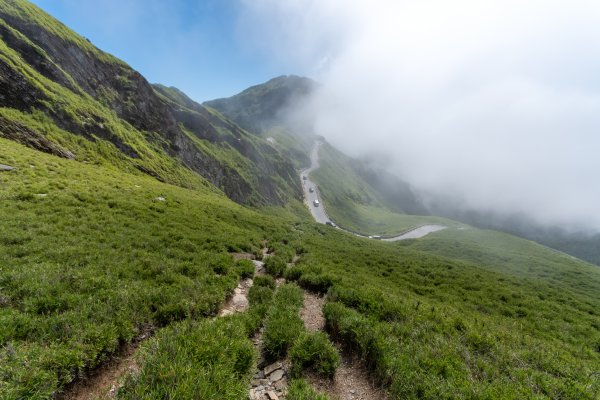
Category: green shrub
[289,296]
[284,251]
[245,268]
[275,265]
[170,312]
[293,274]
[360,335]
[283,323]
[209,359]
[300,390]
[258,254]
[313,351]
[368,301]
[310,277]
[260,295]
[319,283]
[265,281]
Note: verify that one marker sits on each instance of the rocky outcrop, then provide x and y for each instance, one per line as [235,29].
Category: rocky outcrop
[20,133]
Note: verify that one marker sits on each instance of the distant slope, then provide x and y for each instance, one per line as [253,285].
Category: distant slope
[584,245]
[265,110]
[358,196]
[262,107]
[62,95]
[367,200]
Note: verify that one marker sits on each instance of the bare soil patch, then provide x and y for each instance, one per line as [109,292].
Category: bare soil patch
[351,382]
[312,312]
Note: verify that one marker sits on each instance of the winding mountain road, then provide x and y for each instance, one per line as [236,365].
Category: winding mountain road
[320,215]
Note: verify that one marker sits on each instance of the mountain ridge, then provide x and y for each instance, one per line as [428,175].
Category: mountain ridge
[57,87]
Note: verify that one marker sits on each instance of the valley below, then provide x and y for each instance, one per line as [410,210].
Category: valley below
[316,206]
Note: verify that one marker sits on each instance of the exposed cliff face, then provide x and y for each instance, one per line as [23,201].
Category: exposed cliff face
[52,76]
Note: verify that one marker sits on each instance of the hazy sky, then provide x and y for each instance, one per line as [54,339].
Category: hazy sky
[496,103]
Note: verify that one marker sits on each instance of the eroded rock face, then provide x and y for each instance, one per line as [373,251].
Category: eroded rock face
[22,134]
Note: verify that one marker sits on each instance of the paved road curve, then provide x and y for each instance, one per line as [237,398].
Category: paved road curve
[320,215]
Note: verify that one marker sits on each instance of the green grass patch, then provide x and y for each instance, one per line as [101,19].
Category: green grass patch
[245,268]
[275,265]
[300,390]
[88,256]
[314,352]
[203,360]
[283,323]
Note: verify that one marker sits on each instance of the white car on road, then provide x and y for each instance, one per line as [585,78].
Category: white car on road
[316,203]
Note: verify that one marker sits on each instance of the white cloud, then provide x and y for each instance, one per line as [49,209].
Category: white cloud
[495,102]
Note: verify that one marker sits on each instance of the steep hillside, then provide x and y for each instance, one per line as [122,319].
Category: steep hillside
[62,95]
[366,200]
[262,107]
[91,258]
[267,109]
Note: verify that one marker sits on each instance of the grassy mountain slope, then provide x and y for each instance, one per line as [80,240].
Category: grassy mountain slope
[80,242]
[64,96]
[91,256]
[261,107]
[445,328]
[358,196]
[265,109]
[93,252]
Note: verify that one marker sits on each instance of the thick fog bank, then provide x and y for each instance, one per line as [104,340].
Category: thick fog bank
[494,104]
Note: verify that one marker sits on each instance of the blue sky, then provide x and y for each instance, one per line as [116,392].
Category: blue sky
[200,46]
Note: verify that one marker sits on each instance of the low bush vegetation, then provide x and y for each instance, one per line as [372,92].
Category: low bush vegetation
[275,265]
[283,323]
[209,359]
[245,268]
[301,390]
[311,277]
[314,352]
[90,256]
[436,327]
[265,281]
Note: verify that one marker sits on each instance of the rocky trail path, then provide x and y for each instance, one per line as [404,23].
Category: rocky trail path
[270,381]
[351,380]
